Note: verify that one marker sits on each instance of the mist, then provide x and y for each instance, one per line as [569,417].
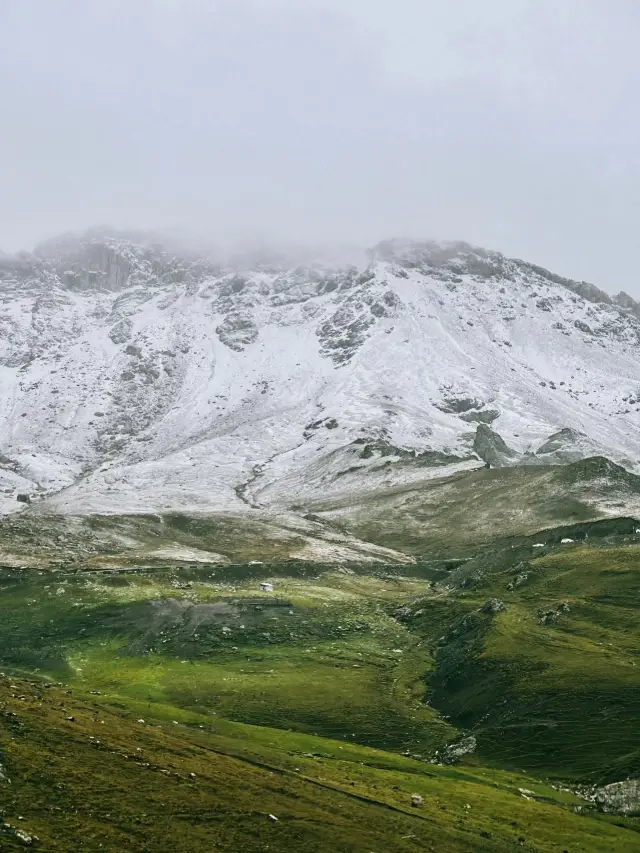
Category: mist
[509,124]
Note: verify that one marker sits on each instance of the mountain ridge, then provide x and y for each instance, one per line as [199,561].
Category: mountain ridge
[140,379]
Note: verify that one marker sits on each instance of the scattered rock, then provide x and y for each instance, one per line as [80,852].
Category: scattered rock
[519,579]
[402,612]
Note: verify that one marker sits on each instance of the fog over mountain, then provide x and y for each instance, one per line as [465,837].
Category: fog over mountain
[508,124]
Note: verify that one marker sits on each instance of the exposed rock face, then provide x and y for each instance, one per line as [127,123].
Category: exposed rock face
[460,405]
[492,448]
[620,797]
[105,261]
[487,416]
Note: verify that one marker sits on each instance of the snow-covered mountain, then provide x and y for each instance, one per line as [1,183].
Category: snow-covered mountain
[133,379]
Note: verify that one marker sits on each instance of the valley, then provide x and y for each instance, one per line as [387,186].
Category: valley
[502,689]
[316,557]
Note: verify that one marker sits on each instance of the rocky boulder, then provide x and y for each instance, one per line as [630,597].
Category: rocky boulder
[492,448]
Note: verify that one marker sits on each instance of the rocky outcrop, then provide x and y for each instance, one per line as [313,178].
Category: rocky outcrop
[493,606]
[486,416]
[620,797]
[237,331]
[454,752]
[459,405]
[559,441]
[551,615]
[492,448]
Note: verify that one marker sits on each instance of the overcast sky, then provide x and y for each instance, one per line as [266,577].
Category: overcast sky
[509,123]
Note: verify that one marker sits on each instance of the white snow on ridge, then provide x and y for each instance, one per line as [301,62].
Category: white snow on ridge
[131,383]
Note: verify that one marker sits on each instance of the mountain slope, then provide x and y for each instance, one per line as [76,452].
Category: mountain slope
[133,380]
[453,516]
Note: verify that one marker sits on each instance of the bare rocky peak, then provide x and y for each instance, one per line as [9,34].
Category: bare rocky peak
[349,299]
[450,260]
[105,260]
[111,260]
[346,302]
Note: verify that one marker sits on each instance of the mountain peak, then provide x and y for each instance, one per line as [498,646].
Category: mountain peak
[134,375]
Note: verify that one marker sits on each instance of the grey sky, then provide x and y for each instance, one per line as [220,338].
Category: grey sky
[510,123]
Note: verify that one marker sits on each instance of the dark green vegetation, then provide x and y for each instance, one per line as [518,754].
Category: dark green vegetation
[551,681]
[170,705]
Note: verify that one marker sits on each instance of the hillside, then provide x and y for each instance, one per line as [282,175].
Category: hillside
[137,380]
[188,709]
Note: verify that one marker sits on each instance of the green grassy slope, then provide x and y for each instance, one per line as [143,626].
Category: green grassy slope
[87,774]
[322,655]
[551,683]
